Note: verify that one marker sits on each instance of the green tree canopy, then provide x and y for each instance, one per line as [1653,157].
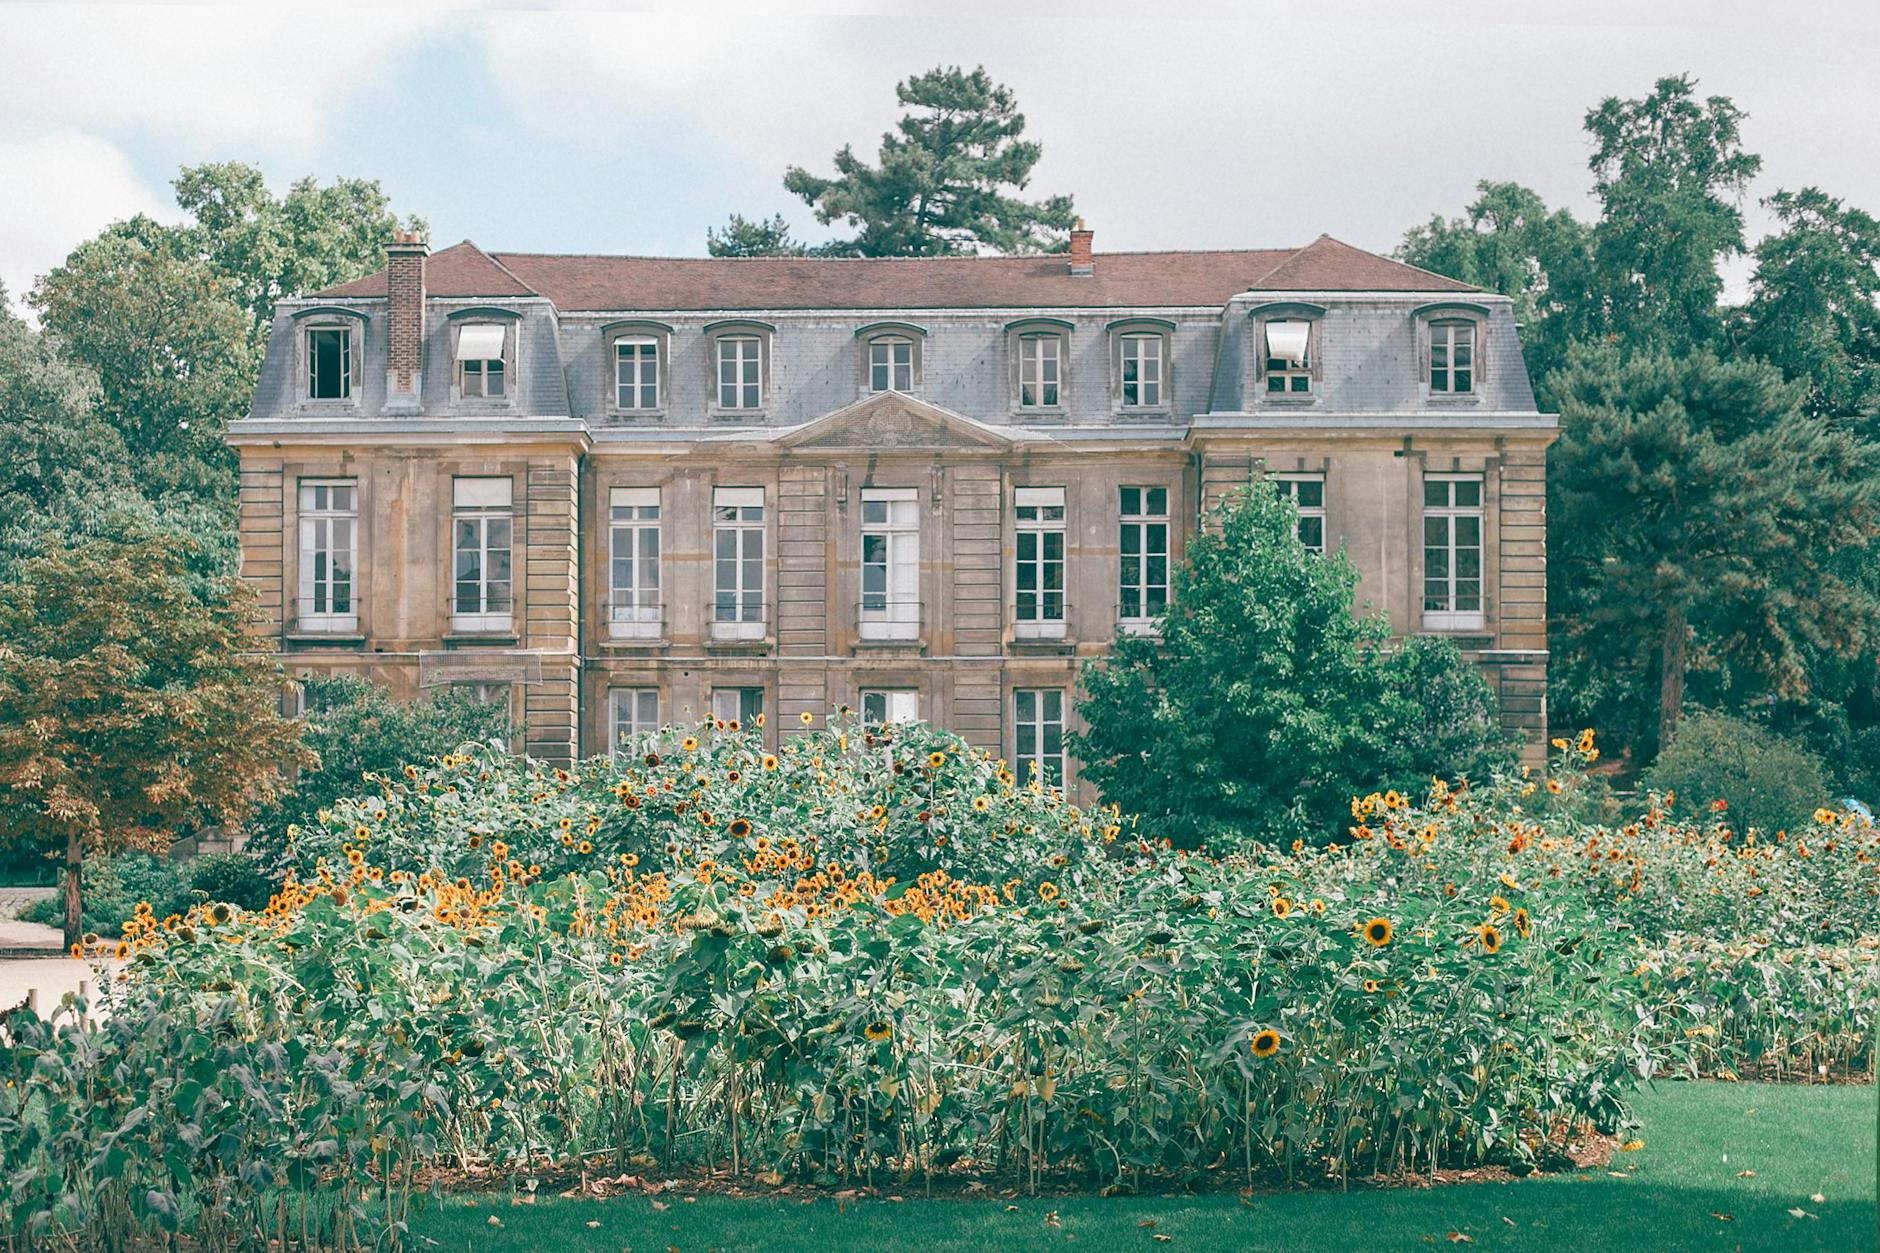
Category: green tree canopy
[1267,703]
[754,237]
[1698,518]
[944,179]
[1670,172]
[133,708]
[53,446]
[1812,304]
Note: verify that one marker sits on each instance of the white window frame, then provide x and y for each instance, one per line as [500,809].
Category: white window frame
[889,608]
[310,380]
[484,506]
[474,374]
[635,608]
[744,354]
[1143,528]
[891,364]
[1040,370]
[1038,515]
[1311,516]
[1149,363]
[329,529]
[1450,339]
[642,364]
[1038,712]
[1294,377]
[1447,600]
[631,713]
[739,610]
[881,706]
[740,704]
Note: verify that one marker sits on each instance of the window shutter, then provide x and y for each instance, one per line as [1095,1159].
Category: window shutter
[1040,496]
[632,497]
[481,342]
[1288,341]
[477,493]
[738,497]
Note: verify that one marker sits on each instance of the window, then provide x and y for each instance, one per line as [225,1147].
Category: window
[634,608]
[1307,493]
[891,364]
[1452,551]
[1452,358]
[480,371]
[329,363]
[1040,370]
[1288,370]
[890,563]
[740,372]
[482,529]
[1143,577]
[1038,735]
[1142,371]
[635,712]
[329,552]
[738,707]
[636,372]
[1039,578]
[885,705]
[738,563]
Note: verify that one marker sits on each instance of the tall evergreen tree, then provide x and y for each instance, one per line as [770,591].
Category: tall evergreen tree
[944,179]
[754,237]
[1698,518]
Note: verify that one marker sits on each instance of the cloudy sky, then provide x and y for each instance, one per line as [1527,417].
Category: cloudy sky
[596,127]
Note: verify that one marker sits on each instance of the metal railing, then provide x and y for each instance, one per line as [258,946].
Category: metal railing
[738,616]
[880,617]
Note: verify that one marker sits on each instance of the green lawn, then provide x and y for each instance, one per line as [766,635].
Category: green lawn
[1799,1142]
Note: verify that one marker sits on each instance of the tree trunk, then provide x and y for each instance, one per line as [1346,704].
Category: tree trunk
[1671,676]
[74,910]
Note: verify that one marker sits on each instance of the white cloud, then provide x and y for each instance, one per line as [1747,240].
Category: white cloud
[65,186]
[265,75]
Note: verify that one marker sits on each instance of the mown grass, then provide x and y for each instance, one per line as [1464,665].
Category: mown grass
[1722,1167]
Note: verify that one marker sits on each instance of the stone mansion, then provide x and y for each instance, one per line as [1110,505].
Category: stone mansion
[615,492]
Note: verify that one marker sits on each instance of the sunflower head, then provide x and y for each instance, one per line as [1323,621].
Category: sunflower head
[1265,1042]
[1491,937]
[878,1031]
[1378,931]
[1281,907]
[739,828]
[770,761]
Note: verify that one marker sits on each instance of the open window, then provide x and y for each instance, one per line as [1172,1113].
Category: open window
[1287,349]
[483,361]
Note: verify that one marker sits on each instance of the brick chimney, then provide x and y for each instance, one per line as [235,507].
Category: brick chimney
[1081,235]
[404,285]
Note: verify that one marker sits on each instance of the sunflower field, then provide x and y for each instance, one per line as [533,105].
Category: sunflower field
[874,956]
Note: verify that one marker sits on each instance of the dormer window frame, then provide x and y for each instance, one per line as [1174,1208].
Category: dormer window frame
[741,330]
[463,320]
[891,335]
[322,320]
[1047,374]
[640,332]
[1134,333]
[1444,316]
[1310,372]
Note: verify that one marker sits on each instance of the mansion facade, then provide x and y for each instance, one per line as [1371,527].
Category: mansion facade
[616,492]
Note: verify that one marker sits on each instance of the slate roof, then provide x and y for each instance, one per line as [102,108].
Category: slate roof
[577,283]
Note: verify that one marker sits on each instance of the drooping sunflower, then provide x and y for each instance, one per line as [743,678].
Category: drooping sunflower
[1378,931]
[1281,907]
[1521,924]
[1048,890]
[878,1031]
[1490,936]
[738,829]
[1265,1042]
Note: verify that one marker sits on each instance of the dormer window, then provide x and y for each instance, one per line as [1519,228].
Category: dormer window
[1139,363]
[1288,365]
[1452,358]
[1040,370]
[636,372]
[740,372]
[891,364]
[482,373]
[329,363]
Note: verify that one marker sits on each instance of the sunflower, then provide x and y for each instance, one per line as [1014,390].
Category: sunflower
[738,829]
[1555,787]
[1491,937]
[1281,907]
[1521,924]
[1371,985]
[770,761]
[615,957]
[362,832]
[806,717]
[652,759]
[585,847]
[1265,1042]
[935,760]
[689,743]
[981,804]
[1048,890]
[878,1031]
[1378,931]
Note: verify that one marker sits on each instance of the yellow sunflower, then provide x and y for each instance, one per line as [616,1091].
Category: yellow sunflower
[1265,1042]
[878,1031]
[1378,931]
[1281,907]
[1491,937]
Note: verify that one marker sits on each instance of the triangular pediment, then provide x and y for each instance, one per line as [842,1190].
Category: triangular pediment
[891,420]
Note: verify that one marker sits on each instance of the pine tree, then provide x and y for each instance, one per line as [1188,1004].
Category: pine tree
[753,237]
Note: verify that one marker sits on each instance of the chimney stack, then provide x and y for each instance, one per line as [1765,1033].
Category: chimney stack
[404,287]
[1081,236]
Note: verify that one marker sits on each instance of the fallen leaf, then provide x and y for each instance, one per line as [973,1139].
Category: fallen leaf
[1011,1209]
[1799,1212]
[1162,1239]
[593,1223]
[661,1205]
[1507,1220]
[1631,1146]
[1745,1174]
[1147,1222]
[495,1221]
[1819,1199]
[770,1178]
[1457,1237]
[1723,1218]
[1618,1174]
[1052,1219]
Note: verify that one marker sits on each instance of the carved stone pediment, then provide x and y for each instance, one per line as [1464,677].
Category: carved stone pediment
[894,421]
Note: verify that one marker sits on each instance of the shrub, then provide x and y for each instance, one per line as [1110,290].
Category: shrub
[233,877]
[114,886]
[1763,781]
